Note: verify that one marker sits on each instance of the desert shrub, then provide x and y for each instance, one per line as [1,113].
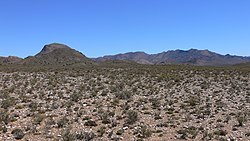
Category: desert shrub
[38,118]
[4,117]
[18,134]
[220,132]
[115,102]
[105,118]
[8,102]
[33,106]
[207,136]
[120,132]
[157,116]
[62,122]
[144,132]
[247,134]
[188,132]
[193,101]
[182,134]
[241,119]
[155,102]
[123,95]
[132,117]
[86,118]
[90,123]
[75,97]
[101,131]
[4,129]
[192,131]
[67,136]
[104,93]
[85,136]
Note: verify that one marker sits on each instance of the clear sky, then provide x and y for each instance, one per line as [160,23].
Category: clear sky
[102,27]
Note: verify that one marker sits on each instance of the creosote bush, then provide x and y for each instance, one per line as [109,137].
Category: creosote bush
[132,117]
[18,134]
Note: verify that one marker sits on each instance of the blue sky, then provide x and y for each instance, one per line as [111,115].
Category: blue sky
[102,27]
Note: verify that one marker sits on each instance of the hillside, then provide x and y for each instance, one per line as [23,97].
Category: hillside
[57,54]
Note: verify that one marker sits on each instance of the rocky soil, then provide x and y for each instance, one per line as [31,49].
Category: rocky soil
[125,104]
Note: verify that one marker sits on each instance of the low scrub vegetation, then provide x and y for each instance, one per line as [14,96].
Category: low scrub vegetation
[140,102]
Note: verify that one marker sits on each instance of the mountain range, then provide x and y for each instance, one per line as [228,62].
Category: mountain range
[60,54]
[9,60]
[192,56]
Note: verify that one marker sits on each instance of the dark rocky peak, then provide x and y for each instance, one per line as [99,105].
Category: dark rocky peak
[51,47]
[57,55]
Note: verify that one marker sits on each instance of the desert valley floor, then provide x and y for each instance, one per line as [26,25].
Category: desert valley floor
[158,103]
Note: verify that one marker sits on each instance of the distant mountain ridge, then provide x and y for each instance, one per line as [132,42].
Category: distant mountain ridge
[192,56]
[9,60]
[57,54]
[138,57]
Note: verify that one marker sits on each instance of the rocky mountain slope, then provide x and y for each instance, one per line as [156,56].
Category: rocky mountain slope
[192,56]
[57,54]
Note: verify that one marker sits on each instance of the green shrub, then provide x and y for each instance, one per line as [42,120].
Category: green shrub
[90,123]
[144,132]
[38,118]
[182,134]
[62,122]
[76,97]
[18,134]
[4,117]
[67,136]
[85,136]
[155,102]
[105,118]
[8,102]
[241,119]
[33,106]
[221,132]
[132,117]
[101,131]
[123,95]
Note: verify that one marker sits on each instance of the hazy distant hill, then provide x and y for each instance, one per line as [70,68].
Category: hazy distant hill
[57,54]
[243,65]
[192,56]
[9,60]
[139,57]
